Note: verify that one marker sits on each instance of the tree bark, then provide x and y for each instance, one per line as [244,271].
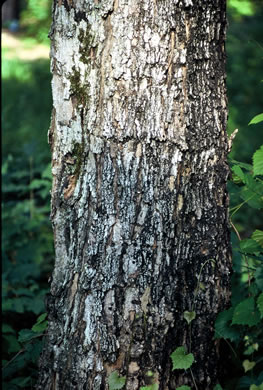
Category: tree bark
[139,200]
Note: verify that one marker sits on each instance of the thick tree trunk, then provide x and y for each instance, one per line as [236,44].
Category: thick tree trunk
[139,202]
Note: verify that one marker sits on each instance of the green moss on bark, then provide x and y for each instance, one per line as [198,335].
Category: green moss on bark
[88,44]
[78,154]
[78,89]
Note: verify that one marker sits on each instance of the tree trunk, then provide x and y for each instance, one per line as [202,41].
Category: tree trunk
[10,10]
[139,202]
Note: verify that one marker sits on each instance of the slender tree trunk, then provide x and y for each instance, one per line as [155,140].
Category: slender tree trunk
[139,202]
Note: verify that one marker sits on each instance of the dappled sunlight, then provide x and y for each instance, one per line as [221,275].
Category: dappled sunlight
[22,49]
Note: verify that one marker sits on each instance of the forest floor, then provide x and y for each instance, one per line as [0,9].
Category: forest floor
[16,46]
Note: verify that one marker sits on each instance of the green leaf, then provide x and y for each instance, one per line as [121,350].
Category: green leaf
[218,387]
[252,192]
[7,329]
[38,183]
[258,162]
[181,360]
[241,7]
[248,167]
[116,382]
[41,318]
[35,349]
[255,387]
[238,171]
[189,316]
[13,344]
[21,381]
[41,323]
[259,277]
[253,199]
[249,246]
[26,335]
[260,304]
[258,118]
[154,386]
[149,373]
[183,388]
[253,288]
[248,365]
[47,172]
[245,313]
[258,237]
[40,327]
[223,326]
[249,350]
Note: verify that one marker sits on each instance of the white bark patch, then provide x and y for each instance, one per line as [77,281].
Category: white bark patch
[90,319]
[171,183]
[109,306]
[207,158]
[155,40]
[96,144]
[177,157]
[180,203]
[131,296]
[64,112]
[90,169]
[117,232]
[145,299]
[74,288]
[62,259]
[133,368]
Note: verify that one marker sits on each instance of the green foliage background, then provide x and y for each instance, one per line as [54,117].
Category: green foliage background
[27,243]
[27,240]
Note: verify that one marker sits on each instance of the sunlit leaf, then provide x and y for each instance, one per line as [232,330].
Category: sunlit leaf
[258,118]
[258,162]
[248,365]
[258,237]
[238,171]
[181,360]
[255,387]
[189,316]
[154,386]
[40,327]
[242,7]
[248,167]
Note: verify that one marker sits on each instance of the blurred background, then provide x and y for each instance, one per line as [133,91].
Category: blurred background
[27,244]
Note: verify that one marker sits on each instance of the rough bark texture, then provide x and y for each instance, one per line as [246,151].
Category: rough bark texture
[139,202]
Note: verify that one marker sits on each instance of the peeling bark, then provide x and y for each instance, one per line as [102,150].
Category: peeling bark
[139,198]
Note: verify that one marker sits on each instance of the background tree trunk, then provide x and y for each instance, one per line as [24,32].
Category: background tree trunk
[139,202]
[10,10]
